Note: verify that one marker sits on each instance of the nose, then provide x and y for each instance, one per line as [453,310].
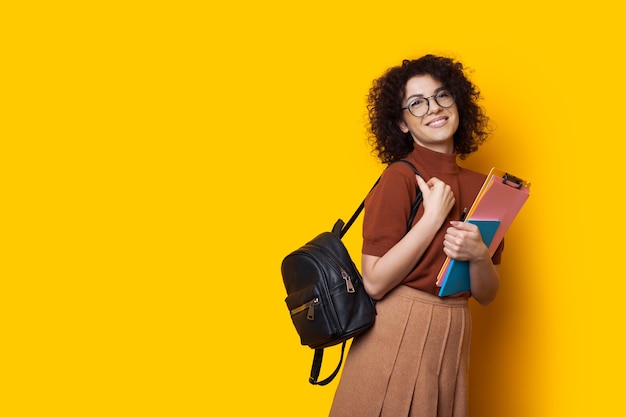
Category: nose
[433,106]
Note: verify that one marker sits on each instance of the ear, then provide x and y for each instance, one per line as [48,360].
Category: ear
[403,127]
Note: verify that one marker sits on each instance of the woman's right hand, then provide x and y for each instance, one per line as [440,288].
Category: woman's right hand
[438,198]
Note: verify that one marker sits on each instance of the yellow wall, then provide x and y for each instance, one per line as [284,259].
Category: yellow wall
[161,158]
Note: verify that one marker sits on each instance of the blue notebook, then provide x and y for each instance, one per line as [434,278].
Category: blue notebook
[456,278]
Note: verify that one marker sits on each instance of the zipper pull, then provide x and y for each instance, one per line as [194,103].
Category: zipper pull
[310,315]
[346,277]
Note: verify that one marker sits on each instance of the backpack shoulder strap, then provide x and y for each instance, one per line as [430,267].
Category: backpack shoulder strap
[418,197]
[340,229]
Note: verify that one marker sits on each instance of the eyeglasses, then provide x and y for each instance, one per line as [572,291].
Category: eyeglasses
[420,106]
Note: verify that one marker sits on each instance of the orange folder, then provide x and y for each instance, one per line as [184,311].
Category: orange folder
[500,198]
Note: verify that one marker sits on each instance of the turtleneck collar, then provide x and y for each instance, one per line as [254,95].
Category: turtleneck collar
[434,162]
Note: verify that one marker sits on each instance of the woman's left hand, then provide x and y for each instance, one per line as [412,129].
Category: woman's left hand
[464,242]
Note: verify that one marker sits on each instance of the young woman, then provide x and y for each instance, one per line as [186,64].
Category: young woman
[414,360]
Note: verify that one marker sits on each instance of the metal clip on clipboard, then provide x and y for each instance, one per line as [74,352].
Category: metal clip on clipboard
[513,181]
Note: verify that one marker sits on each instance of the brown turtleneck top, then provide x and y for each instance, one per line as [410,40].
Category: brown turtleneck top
[387,210]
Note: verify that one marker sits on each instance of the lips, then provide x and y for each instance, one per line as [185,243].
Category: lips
[437,122]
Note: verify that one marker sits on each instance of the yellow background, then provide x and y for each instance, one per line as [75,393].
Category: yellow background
[159,159]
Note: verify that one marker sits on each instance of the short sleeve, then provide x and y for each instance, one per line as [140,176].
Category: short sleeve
[387,210]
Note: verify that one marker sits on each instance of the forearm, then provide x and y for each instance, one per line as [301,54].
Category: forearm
[484,280]
[382,274]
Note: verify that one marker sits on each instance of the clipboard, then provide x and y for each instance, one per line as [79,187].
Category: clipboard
[500,199]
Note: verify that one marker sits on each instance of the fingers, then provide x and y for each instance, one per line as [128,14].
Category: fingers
[462,231]
[463,226]
[433,184]
[430,183]
[463,241]
[423,186]
[438,197]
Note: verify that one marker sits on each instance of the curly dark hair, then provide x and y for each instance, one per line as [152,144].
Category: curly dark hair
[384,105]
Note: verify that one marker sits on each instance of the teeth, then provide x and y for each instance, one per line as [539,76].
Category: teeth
[437,123]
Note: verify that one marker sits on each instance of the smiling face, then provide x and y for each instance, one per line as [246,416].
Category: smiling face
[434,130]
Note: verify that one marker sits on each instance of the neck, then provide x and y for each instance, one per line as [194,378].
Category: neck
[446,147]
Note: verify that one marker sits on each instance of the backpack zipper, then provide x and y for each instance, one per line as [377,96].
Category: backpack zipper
[342,271]
[346,277]
[310,315]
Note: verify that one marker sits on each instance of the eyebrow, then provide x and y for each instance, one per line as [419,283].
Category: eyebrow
[422,95]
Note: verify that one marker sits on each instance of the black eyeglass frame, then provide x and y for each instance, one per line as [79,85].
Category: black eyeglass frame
[434,97]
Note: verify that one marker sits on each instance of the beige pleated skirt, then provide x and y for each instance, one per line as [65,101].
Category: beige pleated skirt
[413,362]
